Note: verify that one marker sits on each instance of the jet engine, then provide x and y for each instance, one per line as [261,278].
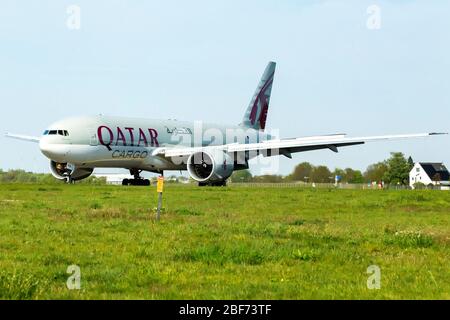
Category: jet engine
[209,169]
[68,172]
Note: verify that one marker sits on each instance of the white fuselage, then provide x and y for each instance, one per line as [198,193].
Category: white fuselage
[119,142]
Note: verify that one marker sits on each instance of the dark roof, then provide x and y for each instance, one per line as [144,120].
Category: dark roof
[434,168]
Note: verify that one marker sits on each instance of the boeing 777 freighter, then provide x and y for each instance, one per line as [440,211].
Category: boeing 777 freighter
[209,152]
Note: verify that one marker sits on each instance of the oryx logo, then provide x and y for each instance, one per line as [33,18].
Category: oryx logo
[261,104]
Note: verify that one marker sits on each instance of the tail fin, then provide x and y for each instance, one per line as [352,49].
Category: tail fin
[256,114]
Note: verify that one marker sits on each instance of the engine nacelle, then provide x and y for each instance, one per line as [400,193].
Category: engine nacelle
[67,171]
[207,168]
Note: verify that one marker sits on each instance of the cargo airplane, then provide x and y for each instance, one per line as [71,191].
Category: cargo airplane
[209,152]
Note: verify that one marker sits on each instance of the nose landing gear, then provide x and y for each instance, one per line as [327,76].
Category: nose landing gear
[137,181]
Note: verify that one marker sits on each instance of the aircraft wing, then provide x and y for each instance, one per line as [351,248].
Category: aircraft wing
[22,137]
[287,146]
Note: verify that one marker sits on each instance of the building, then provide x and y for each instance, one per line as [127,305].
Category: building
[114,178]
[430,173]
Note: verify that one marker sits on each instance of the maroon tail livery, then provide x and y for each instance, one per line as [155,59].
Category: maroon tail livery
[256,114]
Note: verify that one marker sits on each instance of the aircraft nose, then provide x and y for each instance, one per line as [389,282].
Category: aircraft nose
[56,152]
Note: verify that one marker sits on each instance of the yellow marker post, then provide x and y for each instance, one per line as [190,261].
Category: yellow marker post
[159,189]
[160,184]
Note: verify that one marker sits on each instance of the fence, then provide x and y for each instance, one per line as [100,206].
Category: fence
[315,185]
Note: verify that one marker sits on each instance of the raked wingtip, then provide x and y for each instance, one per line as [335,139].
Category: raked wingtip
[437,133]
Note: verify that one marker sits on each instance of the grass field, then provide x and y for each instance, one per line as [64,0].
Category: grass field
[223,243]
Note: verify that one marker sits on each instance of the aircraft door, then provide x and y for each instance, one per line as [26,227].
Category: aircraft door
[93,139]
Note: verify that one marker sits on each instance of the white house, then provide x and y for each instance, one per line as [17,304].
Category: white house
[433,173]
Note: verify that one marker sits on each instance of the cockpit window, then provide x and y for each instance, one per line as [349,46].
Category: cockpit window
[56,132]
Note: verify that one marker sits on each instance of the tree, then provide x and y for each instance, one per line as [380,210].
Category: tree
[339,172]
[398,169]
[436,178]
[21,176]
[410,163]
[320,174]
[353,176]
[241,176]
[301,171]
[375,172]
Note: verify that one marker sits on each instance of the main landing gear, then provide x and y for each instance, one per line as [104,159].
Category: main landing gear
[137,181]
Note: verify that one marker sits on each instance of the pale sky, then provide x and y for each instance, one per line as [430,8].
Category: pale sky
[201,60]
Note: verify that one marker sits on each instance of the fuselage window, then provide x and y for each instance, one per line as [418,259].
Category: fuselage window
[52,132]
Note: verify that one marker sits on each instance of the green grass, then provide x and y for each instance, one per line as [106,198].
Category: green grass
[223,243]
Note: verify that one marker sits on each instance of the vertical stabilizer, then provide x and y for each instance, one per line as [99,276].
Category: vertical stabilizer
[256,113]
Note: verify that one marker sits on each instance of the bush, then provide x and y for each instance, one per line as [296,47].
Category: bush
[419,186]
